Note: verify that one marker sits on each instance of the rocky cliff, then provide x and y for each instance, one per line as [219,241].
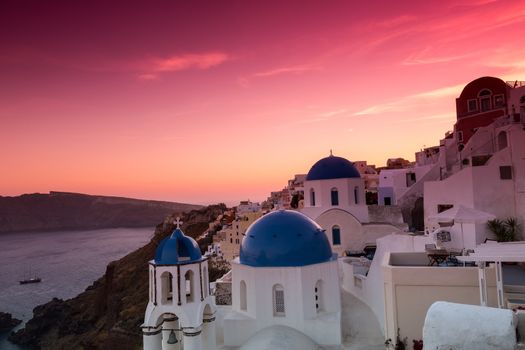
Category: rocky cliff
[73,211]
[109,313]
[7,322]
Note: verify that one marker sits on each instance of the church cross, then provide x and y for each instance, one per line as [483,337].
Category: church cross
[178,222]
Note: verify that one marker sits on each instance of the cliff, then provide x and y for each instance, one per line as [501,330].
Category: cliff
[74,211]
[108,314]
[7,322]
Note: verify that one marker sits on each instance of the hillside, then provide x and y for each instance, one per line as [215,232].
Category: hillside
[74,211]
[109,313]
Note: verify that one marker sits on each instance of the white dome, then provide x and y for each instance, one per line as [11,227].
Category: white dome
[279,338]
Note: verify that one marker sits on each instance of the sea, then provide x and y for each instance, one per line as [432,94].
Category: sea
[66,261]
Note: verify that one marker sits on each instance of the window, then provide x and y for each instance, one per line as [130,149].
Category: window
[388,201]
[410,179]
[231,240]
[484,92]
[167,287]
[472,105]
[318,296]
[443,207]
[205,281]
[312,197]
[485,104]
[336,235]
[356,194]
[151,284]
[502,140]
[244,304]
[460,136]
[278,301]
[505,172]
[188,278]
[499,101]
[335,196]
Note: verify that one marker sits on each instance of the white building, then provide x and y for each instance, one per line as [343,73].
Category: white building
[180,308]
[491,179]
[286,275]
[247,207]
[395,183]
[335,198]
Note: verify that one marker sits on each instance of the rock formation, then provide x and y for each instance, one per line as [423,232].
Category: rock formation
[73,211]
[7,322]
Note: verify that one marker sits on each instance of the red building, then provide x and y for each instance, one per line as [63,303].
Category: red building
[480,103]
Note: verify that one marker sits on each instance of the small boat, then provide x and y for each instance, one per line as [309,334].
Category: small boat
[27,279]
[31,280]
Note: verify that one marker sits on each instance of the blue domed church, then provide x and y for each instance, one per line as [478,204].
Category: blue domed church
[286,275]
[334,196]
[181,311]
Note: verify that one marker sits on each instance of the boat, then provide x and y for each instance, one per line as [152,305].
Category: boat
[31,280]
[28,280]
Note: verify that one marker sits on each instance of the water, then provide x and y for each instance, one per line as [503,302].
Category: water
[67,262]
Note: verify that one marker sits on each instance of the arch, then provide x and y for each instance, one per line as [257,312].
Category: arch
[278,301]
[318,296]
[336,235]
[189,286]
[484,92]
[334,195]
[522,100]
[166,282]
[312,197]
[204,309]
[502,140]
[485,99]
[243,297]
[356,195]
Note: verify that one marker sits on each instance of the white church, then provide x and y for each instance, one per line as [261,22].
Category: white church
[285,283]
[334,197]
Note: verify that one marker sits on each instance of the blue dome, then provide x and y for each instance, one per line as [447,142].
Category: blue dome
[177,249]
[332,167]
[284,238]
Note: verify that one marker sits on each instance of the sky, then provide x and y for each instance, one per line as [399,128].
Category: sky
[221,101]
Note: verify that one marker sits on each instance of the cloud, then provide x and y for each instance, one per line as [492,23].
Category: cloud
[287,70]
[408,102]
[333,113]
[189,61]
[309,121]
[423,58]
[148,76]
[443,116]
[152,69]
[440,92]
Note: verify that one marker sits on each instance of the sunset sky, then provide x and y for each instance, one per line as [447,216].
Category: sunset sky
[207,101]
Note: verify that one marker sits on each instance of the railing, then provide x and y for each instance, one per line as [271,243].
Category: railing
[515,83]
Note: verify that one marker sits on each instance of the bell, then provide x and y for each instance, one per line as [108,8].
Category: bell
[172,338]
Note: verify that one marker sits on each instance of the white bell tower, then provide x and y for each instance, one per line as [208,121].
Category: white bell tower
[180,309]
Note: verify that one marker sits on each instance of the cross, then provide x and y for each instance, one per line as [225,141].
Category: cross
[178,222]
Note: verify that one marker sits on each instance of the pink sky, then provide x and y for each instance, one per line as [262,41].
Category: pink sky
[225,100]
